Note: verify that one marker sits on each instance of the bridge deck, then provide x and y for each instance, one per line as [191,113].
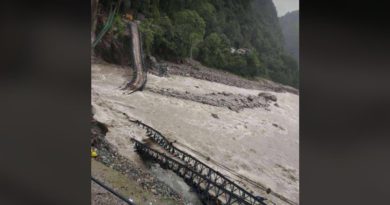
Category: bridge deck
[201,175]
[210,187]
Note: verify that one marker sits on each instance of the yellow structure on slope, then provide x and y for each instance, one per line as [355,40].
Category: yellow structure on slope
[93,153]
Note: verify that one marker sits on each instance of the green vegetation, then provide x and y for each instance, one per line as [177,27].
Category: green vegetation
[118,26]
[206,30]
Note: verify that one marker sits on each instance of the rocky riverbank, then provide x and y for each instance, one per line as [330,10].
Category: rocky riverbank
[192,68]
[235,102]
[108,156]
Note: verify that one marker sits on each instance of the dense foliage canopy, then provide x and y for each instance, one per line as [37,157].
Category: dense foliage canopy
[207,30]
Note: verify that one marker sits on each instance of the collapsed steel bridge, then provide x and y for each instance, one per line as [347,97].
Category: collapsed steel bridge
[210,183]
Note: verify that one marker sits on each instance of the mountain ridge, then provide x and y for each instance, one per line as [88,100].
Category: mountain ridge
[289,24]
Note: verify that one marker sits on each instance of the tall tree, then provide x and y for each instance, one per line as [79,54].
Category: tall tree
[190,29]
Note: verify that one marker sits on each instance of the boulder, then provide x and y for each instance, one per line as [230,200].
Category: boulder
[268,96]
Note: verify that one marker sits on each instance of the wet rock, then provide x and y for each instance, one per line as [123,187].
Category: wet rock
[278,126]
[154,191]
[268,191]
[214,116]
[226,94]
[153,60]
[268,96]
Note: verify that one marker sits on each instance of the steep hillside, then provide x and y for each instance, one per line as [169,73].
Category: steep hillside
[240,36]
[290,28]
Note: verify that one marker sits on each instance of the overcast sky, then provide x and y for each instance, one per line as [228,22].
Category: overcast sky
[284,6]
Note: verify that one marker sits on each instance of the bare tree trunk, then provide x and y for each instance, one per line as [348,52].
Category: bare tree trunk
[94,8]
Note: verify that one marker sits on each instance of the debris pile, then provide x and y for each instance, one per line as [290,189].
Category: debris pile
[235,102]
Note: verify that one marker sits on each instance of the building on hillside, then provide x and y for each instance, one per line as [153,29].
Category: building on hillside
[240,51]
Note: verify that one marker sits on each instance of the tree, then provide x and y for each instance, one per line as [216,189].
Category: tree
[206,29]
[195,39]
[189,30]
[214,51]
[147,31]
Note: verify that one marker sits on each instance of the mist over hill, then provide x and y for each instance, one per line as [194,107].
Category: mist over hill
[290,27]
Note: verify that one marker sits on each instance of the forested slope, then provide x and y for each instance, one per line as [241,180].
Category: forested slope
[240,36]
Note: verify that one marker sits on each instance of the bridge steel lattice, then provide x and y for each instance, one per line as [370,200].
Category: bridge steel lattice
[199,171]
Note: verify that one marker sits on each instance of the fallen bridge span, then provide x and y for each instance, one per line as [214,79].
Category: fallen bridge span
[193,162]
[211,186]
